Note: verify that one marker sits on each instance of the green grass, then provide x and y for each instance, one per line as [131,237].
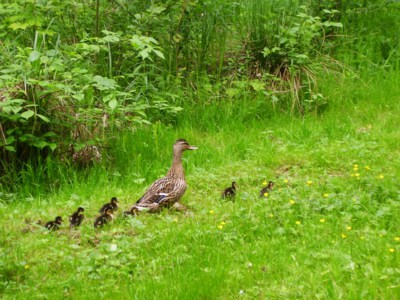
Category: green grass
[334,238]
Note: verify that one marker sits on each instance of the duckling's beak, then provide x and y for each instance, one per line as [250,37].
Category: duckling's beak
[192,148]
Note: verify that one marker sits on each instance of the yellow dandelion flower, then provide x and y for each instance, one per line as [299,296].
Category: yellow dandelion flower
[381,176]
[26,266]
[349,228]
[286,181]
[362,237]
[357,175]
[223,223]
[292,201]
[266,194]
[176,220]
[298,222]
[211,212]
[322,220]
[355,166]
[397,239]
[344,236]
[367,168]
[270,215]
[309,182]
[220,227]
[265,183]
[391,250]
[326,195]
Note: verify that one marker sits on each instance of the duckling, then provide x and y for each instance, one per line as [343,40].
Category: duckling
[230,192]
[76,218]
[106,217]
[267,189]
[133,211]
[113,204]
[165,192]
[54,225]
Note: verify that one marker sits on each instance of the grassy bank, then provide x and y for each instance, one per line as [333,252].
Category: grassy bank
[330,228]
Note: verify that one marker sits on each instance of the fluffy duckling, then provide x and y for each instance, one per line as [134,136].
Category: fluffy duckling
[267,189]
[106,217]
[113,204]
[133,211]
[230,192]
[76,218]
[54,225]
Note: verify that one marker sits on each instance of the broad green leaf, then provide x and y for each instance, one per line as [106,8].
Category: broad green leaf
[34,56]
[27,114]
[113,104]
[10,148]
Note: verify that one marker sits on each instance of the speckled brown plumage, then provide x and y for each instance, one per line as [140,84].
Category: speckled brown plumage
[166,191]
[54,225]
[76,218]
[267,189]
[230,192]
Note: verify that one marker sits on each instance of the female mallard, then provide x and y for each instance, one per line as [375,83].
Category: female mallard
[113,204]
[230,192]
[104,218]
[76,218]
[54,225]
[267,189]
[166,191]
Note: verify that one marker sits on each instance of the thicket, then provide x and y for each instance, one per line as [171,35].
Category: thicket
[76,73]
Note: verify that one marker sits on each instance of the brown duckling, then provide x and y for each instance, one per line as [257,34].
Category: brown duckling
[54,225]
[133,211]
[113,204]
[267,189]
[104,218]
[76,218]
[230,192]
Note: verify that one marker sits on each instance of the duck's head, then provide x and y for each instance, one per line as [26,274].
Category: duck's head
[234,185]
[80,209]
[114,200]
[182,145]
[58,220]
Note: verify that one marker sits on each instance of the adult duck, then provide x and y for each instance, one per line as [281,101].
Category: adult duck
[168,190]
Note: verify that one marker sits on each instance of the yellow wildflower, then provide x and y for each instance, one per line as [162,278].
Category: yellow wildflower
[309,182]
[298,222]
[292,201]
[381,176]
[391,250]
[223,223]
[355,166]
[326,195]
[349,228]
[362,237]
[26,266]
[270,215]
[176,220]
[266,194]
[397,239]
[265,183]
[211,212]
[367,168]
[344,236]
[285,181]
[220,226]
[322,220]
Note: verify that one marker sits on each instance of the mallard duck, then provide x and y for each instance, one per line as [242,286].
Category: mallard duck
[267,189]
[113,204]
[76,218]
[54,225]
[104,218]
[230,192]
[166,191]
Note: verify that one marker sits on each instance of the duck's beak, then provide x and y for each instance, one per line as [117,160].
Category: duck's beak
[192,148]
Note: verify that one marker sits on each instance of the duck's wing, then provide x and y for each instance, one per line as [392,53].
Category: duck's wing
[161,191]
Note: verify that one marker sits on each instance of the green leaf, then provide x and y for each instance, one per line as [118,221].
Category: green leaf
[53,146]
[10,148]
[27,114]
[34,56]
[44,118]
[113,104]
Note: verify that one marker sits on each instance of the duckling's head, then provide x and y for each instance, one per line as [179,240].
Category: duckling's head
[271,184]
[114,200]
[58,220]
[182,145]
[234,185]
[80,209]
